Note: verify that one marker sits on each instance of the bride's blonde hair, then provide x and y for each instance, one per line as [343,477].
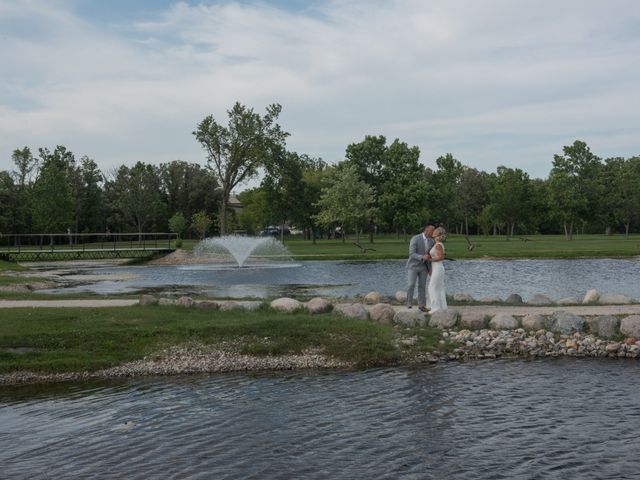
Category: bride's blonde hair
[440,234]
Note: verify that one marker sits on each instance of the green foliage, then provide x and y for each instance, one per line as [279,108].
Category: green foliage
[178,224]
[201,223]
[237,151]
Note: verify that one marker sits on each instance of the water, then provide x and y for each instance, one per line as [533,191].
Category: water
[480,278]
[510,419]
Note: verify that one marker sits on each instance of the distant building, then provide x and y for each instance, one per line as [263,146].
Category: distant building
[235,204]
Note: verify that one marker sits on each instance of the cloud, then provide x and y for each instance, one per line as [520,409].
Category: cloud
[494,82]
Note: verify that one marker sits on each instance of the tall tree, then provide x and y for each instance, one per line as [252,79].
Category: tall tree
[404,188]
[53,205]
[237,151]
[573,185]
[510,196]
[443,187]
[346,202]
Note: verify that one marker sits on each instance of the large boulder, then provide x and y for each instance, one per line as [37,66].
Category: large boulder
[372,298]
[229,305]
[591,296]
[287,305]
[148,300]
[351,310]
[382,313]
[605,326]
[443,319]
[410,318]
[463,297]
[565,322]
[503,321]
[514,299]
[615,299]
[630,326]
[473,320]
[491,299]
[569,301]
[207,305]
[185,302]
[533,322]
[539,299]
[319,305]
[401,296]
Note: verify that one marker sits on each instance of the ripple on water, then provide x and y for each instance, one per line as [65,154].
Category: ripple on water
[499,419]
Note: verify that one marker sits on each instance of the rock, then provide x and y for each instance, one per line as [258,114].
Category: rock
[491,299]
[605,326]
[503,321]
[630,326]
[515,299]
[443,319]
[630,341]
[207,305]
[185,302]
[463,297]
[533,322]
[229,305]
[473,321]
[565,322]
[382,313]
[409,318]
[613,299]
[148,300]
[591,296]
[569,301]
[372,298]
[287,305]
[539,299]
[351,310]
[401,296]
[319,305]
[166,301]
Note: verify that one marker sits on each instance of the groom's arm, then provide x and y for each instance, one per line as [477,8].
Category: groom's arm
[413,249]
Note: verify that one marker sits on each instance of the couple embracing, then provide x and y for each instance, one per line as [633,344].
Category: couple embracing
[426,256]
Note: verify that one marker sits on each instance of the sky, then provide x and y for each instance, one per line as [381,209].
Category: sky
[493,82]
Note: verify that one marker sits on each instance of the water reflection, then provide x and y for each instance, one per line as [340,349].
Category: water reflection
[501,419]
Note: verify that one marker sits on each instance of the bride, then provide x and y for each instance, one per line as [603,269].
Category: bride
[437,298]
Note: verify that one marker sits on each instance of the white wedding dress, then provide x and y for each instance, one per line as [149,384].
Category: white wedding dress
[437,297]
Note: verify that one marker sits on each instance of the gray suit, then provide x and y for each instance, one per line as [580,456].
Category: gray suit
[417,270]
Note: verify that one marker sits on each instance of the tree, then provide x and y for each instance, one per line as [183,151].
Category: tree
[135,197]
[178,224]
[510,196]
[188,188]
[472,194]
[201,223]
[26,168]
[235,152]
[346,202]
[574,186]
[404,187]
[443,188]
[368,160]
[53,205]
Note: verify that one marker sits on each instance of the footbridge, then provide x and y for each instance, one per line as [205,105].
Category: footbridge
[74,246]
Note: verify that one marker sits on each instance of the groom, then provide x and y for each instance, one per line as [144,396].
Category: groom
[418,266]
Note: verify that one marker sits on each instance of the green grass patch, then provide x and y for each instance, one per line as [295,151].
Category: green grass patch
[73,339]
[11,266]
[19,280]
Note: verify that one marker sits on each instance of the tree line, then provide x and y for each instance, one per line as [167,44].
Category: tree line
[378,187]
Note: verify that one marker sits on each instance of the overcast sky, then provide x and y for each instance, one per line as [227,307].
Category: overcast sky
[494,82]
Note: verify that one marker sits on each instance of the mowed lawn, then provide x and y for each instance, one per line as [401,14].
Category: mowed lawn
[457,246]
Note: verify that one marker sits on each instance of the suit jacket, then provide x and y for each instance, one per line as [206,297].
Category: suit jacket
[417,249]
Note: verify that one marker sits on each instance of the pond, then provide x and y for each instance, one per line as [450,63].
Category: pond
[480,278]
[510,419]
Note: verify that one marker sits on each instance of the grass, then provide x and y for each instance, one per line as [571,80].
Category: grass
[530,246]
[66,340]
[11,266]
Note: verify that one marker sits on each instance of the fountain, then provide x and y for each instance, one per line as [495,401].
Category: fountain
[241,248]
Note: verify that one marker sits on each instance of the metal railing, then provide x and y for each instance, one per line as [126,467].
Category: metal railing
[83,242]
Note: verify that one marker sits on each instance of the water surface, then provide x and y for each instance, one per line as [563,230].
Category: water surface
[509,419]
